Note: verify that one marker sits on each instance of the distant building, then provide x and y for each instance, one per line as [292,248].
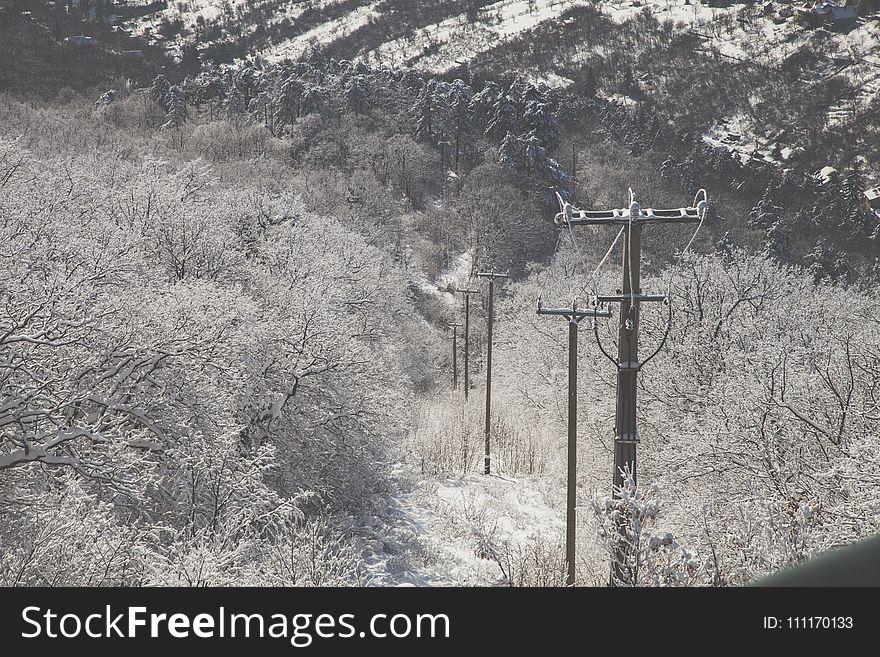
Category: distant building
[839,15]
[872,198]
[834,13]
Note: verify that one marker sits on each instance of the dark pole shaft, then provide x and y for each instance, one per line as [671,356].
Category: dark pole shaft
[455,358]
[489,374]
[467,320]
[628,362]
[572,454]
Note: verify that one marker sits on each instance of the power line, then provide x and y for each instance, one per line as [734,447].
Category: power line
[467,323]
[574,315]
[632,220]
[489,323]
[454,326]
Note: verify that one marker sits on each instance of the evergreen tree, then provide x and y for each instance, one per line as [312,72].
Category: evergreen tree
[160,91]
[314,101]
[246,81]
[669,169]
[821,261]
[829,202]
[778,242]
[539,119]
[357,100]
[288,102]
[176,107]
[767,212]
[727,246]
[423,115]
[512,153]
[482,104]
[503,120]
[459,118]
[856,219]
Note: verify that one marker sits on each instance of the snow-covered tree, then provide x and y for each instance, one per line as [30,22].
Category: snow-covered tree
[357,99]
[766,212]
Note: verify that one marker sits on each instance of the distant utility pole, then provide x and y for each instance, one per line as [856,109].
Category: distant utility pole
[467,333]
[491,320]
[455,326]
[632,220]
[574,315]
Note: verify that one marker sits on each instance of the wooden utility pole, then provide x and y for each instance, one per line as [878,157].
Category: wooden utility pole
[490,321]
[574,315]
[455,326]
[467,333]
[628,365]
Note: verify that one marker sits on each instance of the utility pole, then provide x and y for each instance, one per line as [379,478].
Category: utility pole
[491,320]
[574,315]
[628,365]
[467,333]
[455,326]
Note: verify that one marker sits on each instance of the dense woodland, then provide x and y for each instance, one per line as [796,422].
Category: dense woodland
[226,290]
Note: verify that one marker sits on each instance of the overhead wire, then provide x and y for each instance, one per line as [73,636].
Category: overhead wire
[705,208]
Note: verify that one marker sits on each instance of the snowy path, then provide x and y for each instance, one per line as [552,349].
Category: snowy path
[402,556]
[443,532]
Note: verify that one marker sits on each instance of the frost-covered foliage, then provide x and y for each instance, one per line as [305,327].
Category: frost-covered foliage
[449,116]
[223,298]
[447,438]
[194,376]
[759,421]
[640,553]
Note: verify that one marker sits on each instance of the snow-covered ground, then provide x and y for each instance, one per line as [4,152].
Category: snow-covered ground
[461,40]
[457,39]
[443,288]
[322,34]
[194,14]
[460,531]
[737,135]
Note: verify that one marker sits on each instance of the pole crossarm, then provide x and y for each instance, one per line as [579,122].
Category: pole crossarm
[618,298]
[491,274]
[571,216]
[573,314]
